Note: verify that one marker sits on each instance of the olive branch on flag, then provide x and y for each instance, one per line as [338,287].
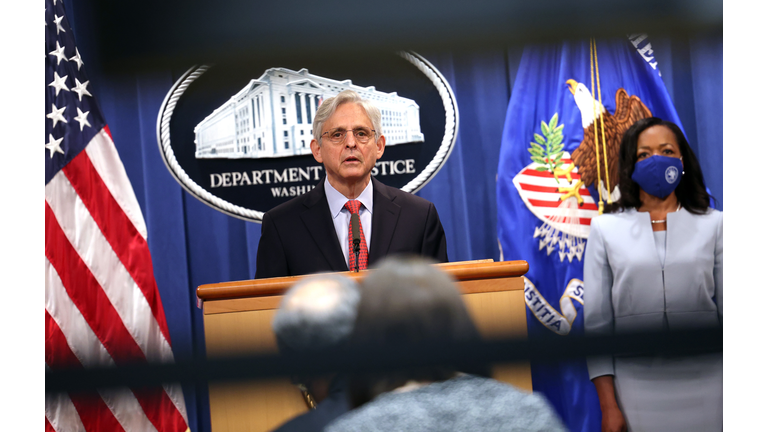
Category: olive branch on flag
[548,149]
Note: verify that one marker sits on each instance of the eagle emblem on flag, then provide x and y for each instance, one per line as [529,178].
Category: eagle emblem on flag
[556,185]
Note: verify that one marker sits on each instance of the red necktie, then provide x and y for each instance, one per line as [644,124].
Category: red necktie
[354,208]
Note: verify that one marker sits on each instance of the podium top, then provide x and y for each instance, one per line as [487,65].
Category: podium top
[461,271]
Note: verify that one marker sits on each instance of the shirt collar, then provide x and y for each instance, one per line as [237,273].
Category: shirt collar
[336,200]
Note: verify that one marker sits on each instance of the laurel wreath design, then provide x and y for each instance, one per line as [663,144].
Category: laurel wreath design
[548,149]
[169,104]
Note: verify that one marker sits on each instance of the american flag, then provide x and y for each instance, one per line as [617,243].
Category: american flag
[102,306]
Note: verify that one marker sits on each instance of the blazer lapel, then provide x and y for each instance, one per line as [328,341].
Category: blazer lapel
[385,215]
[317,218]
[645,246]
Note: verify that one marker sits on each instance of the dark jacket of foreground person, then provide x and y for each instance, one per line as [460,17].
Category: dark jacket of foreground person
[334,405]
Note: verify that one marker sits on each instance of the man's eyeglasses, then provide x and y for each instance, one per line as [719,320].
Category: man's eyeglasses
[362,135]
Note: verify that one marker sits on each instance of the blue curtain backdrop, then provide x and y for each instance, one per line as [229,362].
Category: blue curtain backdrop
[193,244]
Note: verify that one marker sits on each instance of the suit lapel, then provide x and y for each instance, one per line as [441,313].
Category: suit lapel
[317,218]
[385,215]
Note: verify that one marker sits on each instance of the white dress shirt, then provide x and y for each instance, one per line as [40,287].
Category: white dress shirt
[341,215]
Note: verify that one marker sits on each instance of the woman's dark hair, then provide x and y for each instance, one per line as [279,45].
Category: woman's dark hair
[690,193]
[408,302]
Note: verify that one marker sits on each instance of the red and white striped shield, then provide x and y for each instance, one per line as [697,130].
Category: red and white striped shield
[546,196]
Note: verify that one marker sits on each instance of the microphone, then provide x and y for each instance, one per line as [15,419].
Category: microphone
[356,238]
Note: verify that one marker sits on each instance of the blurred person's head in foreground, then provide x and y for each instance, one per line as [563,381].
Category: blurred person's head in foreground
[406,301]
[316,314]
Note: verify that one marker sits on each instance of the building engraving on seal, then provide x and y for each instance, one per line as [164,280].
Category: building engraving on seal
[272,116]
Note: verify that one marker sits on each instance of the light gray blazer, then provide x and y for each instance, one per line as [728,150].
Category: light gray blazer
[626,288]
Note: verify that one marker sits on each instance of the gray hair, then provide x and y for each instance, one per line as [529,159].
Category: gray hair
[407,301]
[328,107]
[318,312]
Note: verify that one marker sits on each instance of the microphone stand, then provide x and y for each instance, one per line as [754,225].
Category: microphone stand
[356,246]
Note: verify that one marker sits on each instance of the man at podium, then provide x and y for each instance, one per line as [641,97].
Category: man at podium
[350,220]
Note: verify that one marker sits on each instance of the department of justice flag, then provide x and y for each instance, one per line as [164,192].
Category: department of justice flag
[558,168]
[102,306]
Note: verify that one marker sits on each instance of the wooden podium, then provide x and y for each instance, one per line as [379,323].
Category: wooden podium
[237,317]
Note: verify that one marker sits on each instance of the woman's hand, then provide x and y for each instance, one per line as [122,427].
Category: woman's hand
[613,418]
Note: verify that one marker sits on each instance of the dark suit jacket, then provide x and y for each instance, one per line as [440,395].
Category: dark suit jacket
[298,237]
[326,411]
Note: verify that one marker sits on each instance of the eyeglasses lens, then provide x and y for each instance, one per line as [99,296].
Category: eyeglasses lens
[362,135]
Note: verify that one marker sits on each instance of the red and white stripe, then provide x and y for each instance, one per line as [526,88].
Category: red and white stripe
[539,191]
[102,306]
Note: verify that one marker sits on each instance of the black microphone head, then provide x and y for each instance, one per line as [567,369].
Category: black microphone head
[355,228]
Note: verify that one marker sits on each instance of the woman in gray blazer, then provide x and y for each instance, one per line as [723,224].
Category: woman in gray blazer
[656,263]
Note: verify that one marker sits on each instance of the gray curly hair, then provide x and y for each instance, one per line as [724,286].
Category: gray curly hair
[328,107]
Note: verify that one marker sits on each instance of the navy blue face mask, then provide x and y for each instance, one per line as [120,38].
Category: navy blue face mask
[658,175]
